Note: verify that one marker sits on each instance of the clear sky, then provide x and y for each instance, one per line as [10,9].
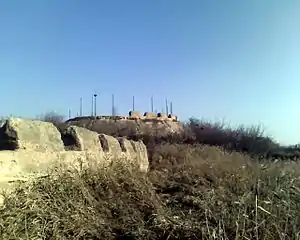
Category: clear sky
[234,60]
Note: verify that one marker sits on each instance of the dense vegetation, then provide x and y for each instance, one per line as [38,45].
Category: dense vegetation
[250,140]
[193,191]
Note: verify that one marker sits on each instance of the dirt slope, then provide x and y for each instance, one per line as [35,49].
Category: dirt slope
[126,127]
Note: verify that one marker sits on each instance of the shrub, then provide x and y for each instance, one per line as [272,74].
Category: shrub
[251,140]
[55,118]
[52,117]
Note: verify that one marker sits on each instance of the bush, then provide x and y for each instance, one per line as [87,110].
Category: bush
[250,140]
[52,117]
[55,118]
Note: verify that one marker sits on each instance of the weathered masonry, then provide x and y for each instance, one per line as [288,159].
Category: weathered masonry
[30,147]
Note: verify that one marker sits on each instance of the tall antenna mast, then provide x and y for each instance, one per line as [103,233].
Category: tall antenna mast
[92,114]
[152,104]
[133,103]
[167,107]
[113,105]
[95,104]
[80,107]
[171,108]
[69,113]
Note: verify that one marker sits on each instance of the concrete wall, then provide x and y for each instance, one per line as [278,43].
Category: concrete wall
[31,148]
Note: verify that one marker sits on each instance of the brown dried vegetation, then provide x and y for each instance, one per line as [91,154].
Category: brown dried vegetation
[193,191]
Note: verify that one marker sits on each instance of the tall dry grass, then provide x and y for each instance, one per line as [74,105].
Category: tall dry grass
[191,192]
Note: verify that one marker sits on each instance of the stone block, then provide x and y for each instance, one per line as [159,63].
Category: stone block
[110,144]
[134,114]
[35,135]
[81,139]
[150,115]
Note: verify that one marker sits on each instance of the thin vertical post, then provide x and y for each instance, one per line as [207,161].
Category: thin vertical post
[133,103]
[167,110]
[152,104]
[92,114]
[171,108]
[113,105]
[95,105]
[69,113]
[80,107]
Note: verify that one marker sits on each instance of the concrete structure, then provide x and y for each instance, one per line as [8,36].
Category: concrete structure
[162,116]
[172,117]
[31,147]
[133,116]
[150,115]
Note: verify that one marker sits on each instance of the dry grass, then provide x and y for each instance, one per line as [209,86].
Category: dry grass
[191,193]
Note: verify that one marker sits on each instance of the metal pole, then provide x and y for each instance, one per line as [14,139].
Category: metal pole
[171,108]
[167,107]
[152,104]
[69,113]
[113,105]
[80,107]
[133,103]
[92,114]
[95,105]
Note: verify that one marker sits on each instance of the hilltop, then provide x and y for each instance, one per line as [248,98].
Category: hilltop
[132,125]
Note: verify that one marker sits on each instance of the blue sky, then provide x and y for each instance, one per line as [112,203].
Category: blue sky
[233,60]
